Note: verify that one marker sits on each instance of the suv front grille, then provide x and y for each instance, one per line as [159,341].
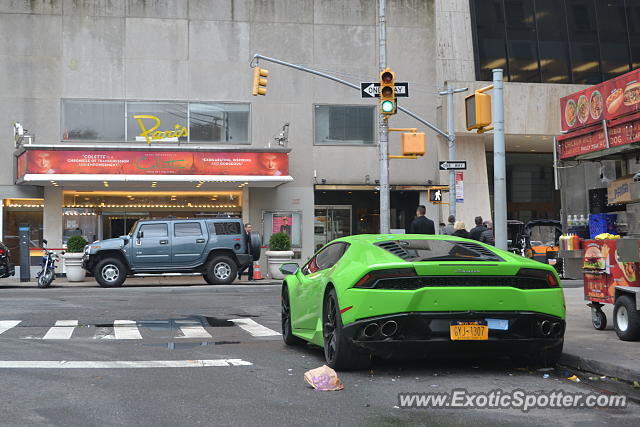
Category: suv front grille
[412,283]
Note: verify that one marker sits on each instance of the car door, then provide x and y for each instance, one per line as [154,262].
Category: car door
[314,276]
[152,245]
[189,241]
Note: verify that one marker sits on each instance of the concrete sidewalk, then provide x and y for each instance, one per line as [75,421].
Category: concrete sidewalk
[89,282]
[601,352]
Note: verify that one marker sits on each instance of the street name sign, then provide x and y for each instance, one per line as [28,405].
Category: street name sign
[453,165]
[372,89]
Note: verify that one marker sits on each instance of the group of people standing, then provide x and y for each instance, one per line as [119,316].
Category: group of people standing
[482,232]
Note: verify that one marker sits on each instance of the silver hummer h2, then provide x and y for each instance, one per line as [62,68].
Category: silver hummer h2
[215,247]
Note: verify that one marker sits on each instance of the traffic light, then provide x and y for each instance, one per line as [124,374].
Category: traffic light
[260,81]
[388,103]
[477,110]
[413,144]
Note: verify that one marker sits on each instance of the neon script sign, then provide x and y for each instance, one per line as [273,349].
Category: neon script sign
[153,134]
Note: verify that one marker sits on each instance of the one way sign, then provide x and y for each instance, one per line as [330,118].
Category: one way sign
[453,165]
[372,89]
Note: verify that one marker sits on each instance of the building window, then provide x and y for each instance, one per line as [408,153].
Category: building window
[157,122]
[86,120]
[344,124]
[154,121]
[219,123]
[556,41]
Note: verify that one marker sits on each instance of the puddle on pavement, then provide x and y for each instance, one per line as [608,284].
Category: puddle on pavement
[188,345]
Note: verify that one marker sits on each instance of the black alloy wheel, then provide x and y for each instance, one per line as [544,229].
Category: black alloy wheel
[287,333]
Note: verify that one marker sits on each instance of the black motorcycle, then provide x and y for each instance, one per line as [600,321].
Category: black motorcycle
[48,264]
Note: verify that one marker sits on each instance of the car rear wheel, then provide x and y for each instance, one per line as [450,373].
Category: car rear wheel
[339,352]
[626,319]
[287,334]
[110,273]
[221,270]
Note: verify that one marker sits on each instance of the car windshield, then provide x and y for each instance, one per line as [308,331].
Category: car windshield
[439,250]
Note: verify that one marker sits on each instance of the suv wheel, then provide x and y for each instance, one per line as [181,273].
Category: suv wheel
[110,273]
[220,270]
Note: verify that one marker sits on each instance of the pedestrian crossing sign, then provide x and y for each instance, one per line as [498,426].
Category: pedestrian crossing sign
[436,195]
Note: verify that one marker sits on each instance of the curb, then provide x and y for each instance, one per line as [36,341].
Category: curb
[600,368]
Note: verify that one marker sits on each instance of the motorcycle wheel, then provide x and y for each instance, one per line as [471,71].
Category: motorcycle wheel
[45,279]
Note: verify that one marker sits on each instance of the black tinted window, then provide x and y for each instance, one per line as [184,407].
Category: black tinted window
[438,250]
[224,227]
[187,229]
[154,230]
[330,255]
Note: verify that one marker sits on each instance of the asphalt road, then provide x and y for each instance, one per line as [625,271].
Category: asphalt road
[256,378]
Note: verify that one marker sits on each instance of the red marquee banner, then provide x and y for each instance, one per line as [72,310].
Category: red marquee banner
[151,163]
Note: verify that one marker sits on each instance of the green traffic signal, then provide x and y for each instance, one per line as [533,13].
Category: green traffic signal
[387,106]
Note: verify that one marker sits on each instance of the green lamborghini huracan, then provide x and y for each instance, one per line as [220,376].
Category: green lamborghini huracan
[417,295]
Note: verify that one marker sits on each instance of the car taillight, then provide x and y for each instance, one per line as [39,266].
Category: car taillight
[368,280]
[540,274]
[2,252]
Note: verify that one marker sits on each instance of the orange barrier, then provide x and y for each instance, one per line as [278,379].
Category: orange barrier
[256,272]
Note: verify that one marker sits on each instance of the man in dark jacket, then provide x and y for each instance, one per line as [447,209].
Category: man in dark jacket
[487,235]
[421,224]
[477,230]
[247,237]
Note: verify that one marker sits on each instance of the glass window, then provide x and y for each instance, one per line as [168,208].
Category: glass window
[154,230]
[84,120]
[553,45]
[612,27]
[157,121]
[585,53]
[219,123]
[330,255]
[337,124]
[522,44]
[182,229]
[490,37]
[224,228]
[633,19]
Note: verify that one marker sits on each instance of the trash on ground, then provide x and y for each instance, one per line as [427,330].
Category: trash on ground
[545,376]
[574,378]
[636,384]
[323,378]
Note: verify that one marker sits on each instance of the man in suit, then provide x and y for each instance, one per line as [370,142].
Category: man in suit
[421,224]
[247,232]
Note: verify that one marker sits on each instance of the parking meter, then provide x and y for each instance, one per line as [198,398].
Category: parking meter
[25,261]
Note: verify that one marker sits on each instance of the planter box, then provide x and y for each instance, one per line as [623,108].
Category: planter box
[275,259]
[73,267]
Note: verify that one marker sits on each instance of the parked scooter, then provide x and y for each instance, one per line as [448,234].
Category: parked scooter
[48,264]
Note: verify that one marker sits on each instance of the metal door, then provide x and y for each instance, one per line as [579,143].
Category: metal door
[331,222]
[189,241]
[153,248]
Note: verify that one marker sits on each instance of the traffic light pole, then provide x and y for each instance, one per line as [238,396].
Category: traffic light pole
[499,168]
[383,148]
[451,139]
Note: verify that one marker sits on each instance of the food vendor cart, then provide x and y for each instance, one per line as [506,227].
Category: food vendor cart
[612,276]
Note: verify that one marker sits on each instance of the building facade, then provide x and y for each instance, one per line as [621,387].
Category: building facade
[143,108]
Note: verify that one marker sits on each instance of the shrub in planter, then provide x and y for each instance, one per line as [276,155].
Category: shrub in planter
[76,244]
[279,242]
[279,253]
[73,259]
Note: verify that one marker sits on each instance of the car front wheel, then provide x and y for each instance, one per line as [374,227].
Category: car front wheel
[221,270]
[339,352]
[287,333]
[110,273]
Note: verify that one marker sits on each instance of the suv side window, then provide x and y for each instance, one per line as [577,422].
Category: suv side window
[155,230]
[326,258]
[183,229]
[223,228]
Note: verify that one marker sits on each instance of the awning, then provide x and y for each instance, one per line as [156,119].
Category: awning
[140,167]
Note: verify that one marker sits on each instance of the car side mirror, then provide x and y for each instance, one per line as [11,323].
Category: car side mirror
[44,241]
[289,268]
[140,234]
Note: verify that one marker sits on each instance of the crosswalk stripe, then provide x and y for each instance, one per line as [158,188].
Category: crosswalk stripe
[5,325]
[254,328]
[126,330]
[117,364]
[194,331]
[62,331]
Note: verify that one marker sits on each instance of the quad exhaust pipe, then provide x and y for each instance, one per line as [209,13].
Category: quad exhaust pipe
[370,330]
[389,328]
[548,329]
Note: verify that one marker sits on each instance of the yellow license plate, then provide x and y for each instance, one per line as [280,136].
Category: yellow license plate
[469,331]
